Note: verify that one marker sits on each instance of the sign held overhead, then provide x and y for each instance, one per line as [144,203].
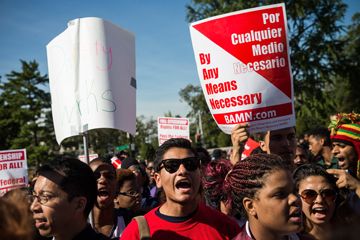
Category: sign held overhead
[244,68]
[169,127]
[92,78]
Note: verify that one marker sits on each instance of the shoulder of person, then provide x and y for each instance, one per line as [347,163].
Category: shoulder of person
[131,231]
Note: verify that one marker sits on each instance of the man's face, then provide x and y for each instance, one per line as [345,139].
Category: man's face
[55,216]
[300,157]
[315,145]
[129,195]
[106,184]
[346,155]
[181,186]
[281,142]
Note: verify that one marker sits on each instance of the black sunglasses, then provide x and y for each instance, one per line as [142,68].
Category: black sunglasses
[172,165]
[309,195]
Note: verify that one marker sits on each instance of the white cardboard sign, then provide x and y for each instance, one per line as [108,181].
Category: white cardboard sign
[13,170]
[92,78]
[172,128]
[244,68]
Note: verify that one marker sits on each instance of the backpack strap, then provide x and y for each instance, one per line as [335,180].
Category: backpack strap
[143,227]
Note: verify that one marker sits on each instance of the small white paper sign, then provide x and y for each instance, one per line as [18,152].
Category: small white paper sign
[91,157]
[172,128]
[244,68]
[92,78]
[13,170]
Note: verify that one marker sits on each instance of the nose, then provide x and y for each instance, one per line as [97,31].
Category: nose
[35,205]
[101,180]
[294,199]
[319,198]
[335,150]
[182,168]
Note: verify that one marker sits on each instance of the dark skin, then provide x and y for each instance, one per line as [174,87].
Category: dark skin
[103,214]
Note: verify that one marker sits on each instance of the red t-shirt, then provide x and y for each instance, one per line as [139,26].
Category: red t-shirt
[206,224]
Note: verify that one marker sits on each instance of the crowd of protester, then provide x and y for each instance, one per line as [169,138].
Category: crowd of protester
[288,188]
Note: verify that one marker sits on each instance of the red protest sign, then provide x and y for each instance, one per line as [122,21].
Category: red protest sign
[244,68]
[13,169]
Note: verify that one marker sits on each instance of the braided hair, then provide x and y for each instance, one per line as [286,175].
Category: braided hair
[249,175]
[213,182]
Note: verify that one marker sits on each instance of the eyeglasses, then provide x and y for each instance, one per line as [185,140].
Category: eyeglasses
[172,165]
[42,198]
[309,195]
[132,194]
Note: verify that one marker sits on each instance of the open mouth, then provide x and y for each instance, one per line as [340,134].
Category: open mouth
[40,222]
[103,194]
[320,212]
[183,184]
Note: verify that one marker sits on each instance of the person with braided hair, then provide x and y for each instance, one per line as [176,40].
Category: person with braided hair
[213,187]
[262,190]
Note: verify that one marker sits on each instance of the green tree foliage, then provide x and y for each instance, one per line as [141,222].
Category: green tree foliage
[103,141]
[25,117]
[347,87]
[320,54]
[146,137]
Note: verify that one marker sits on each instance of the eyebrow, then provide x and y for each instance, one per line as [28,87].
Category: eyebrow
[43,191]
[281,188]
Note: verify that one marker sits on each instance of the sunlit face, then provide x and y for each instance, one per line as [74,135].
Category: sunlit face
[300,157]
[346,155]
[276,208]
[182,186]
[322,209]
[56,215]
[106,183]
[129,195]
[281,142]
[315,145]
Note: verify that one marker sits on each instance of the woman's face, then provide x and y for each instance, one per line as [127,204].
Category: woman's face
[129,195]
[318,199]
[276,207]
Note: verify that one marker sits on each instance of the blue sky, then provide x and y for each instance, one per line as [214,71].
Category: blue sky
[164,57]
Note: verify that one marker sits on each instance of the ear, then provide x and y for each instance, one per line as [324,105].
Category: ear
[249,206]
[80,203]
[225,208]
[157,179]
[116,201]
[322,141]
[263,146]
